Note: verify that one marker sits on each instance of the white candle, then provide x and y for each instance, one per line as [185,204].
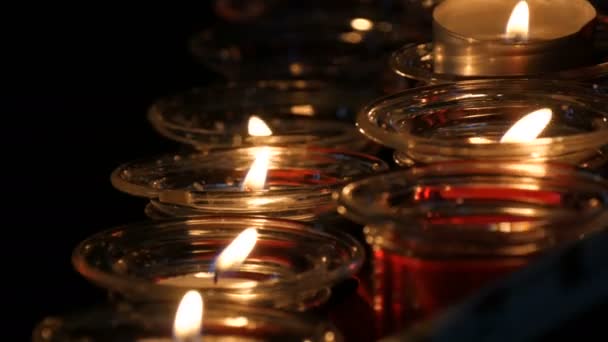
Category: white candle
[471,37]
[203,280]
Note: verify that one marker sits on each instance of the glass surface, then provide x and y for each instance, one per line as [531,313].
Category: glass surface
[466,120]
[415,62]
[153,323]
[477,208]
[292,265]
[299,182]
[298,112]
[441,232]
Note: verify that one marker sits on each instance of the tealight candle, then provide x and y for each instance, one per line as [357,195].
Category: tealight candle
[289,113]
[293,183]
[516,120]
[513,37]
[221,322]
[288,265]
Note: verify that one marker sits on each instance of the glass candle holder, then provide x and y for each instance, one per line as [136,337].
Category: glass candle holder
[343,43]
[298,112]
[416,63]
[468,121]
[440,232]
[292,265]
[298,185]
[153,323]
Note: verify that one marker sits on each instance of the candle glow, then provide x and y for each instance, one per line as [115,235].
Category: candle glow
[529,127]
[189,317]
[256,177]
[256,127]
[236,252]
[519,22]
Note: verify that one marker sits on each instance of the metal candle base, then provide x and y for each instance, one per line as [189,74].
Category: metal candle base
[460,56]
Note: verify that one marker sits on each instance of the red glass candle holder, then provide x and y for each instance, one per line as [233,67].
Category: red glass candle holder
[345,43]
[440,232]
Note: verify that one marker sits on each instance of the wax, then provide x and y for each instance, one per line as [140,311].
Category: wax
[201,280]
[470,38]
[487,19]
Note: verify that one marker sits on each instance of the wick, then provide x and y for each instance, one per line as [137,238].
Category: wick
[215,277]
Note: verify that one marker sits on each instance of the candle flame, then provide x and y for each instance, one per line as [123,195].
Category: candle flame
[256,127]
[236,252]
[519,22]
[256,177]
[529,127]
[189,317]
[361,24]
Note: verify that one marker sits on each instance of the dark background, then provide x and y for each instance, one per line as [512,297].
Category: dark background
[79,81]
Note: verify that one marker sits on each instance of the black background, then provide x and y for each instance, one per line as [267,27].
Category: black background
[78,81]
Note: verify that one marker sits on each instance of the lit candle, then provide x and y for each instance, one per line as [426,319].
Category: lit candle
[236,252]
[229,259]
[526,129]
[189,318]
[511,37]
[255,179]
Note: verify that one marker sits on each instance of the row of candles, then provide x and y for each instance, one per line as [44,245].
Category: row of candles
[283,196]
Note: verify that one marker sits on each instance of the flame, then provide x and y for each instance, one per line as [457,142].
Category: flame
[256,177]
[189,317]
[361,24]
[237,251]
[256,127]
[519,22]
[529,127]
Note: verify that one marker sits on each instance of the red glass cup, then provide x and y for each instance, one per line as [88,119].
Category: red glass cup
[442,231]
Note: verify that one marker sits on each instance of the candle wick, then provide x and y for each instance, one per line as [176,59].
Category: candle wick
[215,277]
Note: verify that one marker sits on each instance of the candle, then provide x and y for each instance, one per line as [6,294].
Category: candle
[155,323]
[293,265]
[189,318]
[207,280]
[268,113]
[513,37]
[294,183]
[515,119]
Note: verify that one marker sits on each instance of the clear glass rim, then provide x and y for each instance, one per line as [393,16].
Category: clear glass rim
[364,212]
[160,210]
[159,115]
[306,285]
[316,191]
[159,318]
[404,141]
[406,62]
